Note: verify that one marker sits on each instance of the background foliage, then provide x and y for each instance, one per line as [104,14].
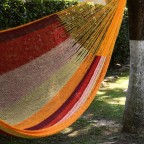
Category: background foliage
[121,50]
[17,12]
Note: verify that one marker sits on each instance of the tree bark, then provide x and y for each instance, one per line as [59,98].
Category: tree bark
[133,120]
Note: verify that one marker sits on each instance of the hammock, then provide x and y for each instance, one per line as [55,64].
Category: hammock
[51,69]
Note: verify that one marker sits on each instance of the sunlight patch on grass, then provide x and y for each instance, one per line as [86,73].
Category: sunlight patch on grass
[114,89]
[81,131]
[121,83]
[67,130]
[73,134]
[100,93]
[102,97]
[117,101]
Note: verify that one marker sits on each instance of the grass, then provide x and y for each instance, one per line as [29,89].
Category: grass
[110,100]
[100,124]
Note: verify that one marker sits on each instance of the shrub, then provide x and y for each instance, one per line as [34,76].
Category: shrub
[17,12]
[12,13]
[121,50]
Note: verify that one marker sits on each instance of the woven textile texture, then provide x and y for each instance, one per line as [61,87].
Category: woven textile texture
[51,69]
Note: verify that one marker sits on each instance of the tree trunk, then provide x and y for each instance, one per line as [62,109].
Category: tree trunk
[133,121]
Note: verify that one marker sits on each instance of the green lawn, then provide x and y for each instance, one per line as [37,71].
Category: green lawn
[100,124]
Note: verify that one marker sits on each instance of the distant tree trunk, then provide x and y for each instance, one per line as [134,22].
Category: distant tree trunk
[133,121]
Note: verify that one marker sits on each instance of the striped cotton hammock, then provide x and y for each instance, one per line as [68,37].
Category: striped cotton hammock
[51,69]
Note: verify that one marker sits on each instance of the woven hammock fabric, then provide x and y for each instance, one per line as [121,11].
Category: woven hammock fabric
[51,69]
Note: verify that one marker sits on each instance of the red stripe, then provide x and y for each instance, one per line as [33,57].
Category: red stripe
[67,106]
[20,46]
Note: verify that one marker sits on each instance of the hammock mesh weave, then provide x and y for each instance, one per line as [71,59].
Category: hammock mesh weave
[51,69]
